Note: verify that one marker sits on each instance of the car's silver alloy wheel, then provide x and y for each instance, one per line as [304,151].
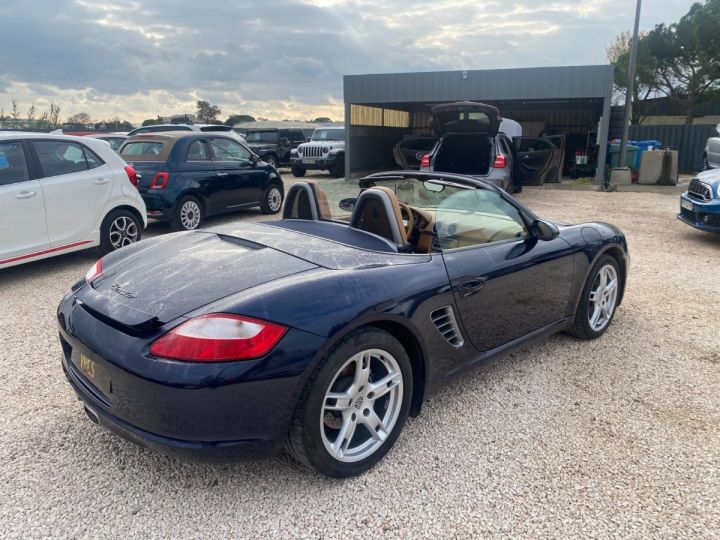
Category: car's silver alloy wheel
[603,297]
[123,232]
[271,161]
[361,405]
[274,199]
[190,215]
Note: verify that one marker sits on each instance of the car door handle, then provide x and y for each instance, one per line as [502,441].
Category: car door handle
[101,181]
[222,174]
[471,286]
[26,195]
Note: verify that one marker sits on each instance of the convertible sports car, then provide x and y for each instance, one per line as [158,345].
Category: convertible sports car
[324,330]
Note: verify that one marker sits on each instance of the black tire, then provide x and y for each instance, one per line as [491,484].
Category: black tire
[272,199]
[186,219]
[305,441]
[706,163]
[338,168]
[272,160]
[581,327]
[114,235]
[298,172]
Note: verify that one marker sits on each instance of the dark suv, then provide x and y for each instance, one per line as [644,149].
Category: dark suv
[273,145]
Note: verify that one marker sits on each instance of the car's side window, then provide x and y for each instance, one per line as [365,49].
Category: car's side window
[92,159]
[63,157]
[229,150]
[13,165]
[297,136]
[475,217]
[197,151]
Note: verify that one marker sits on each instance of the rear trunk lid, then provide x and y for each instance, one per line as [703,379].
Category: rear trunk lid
[466,117]
[148,155]
[167,278]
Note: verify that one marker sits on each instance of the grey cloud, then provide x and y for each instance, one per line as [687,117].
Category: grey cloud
[253,51]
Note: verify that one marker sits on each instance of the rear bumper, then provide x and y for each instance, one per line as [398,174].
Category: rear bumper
[704,216]
[214,411]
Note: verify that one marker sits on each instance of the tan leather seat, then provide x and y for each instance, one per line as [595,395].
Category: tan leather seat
[377,211]
[305,200]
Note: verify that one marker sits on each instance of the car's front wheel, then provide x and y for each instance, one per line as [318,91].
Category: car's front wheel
[120,228]
[298,172]
[354,407]
[272,200]
[188,215]
[598,299]
[272,161]
[338,168]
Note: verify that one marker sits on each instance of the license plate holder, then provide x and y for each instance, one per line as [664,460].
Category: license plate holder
[687,205]
[308,161]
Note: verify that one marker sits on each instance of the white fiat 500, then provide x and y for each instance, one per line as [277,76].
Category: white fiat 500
[60,194]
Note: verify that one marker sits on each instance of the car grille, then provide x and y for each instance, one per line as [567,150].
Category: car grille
[688,214]
[312,151]
[699,190]
[444,321]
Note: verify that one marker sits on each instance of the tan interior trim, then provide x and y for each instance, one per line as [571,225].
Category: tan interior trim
[396,209]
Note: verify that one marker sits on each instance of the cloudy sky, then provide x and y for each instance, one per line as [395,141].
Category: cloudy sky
[280,58]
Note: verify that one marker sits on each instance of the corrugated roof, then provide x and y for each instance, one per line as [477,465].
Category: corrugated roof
[565,82]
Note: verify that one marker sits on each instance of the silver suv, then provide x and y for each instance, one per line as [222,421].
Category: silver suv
[325,152]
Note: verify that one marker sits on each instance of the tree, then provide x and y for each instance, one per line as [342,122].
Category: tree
[687,53]
[207,113]
[152,121]
[81,118]
[618,54]
[54,116]
[322,120]
[238,118]
[15,112]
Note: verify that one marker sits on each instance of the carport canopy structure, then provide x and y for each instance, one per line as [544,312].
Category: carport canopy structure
[381,109]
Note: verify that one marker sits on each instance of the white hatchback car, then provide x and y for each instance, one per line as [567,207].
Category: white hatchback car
[60,194]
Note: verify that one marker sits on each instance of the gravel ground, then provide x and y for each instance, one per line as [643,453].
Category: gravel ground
[613,438]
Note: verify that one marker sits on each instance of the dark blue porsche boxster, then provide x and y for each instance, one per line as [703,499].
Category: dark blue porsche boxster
[324,330]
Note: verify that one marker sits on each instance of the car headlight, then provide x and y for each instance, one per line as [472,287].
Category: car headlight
[718,190]
[325,150]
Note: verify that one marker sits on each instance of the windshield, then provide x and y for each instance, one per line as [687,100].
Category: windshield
[328,135]
[261,136]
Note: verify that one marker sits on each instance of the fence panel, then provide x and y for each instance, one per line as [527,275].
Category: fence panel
[689,141]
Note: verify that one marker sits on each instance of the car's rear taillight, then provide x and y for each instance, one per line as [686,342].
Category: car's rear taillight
[132,175]
[160,180]
[94,272]
[425,161]
[218,337]
[500,162]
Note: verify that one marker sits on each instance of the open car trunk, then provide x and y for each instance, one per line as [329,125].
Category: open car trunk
[464,153]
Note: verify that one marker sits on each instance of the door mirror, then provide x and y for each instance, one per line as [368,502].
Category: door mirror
[348,204]
[544,230]
[253,159]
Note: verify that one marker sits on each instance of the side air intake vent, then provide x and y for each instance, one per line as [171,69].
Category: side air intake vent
[444,321]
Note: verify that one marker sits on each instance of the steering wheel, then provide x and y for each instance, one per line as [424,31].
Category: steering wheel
[408,218]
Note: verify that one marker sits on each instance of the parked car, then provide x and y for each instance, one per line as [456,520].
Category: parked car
[186,176]
[115,140]
[324,152]
[470,142]
[205,128]
[324,330]
[711,154]
[700,204]
[409,152]
[60,194]
[274,145]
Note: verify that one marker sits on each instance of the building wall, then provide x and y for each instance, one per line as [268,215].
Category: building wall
[689,141]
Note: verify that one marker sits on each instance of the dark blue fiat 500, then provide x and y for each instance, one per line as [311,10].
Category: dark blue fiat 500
[187,176]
